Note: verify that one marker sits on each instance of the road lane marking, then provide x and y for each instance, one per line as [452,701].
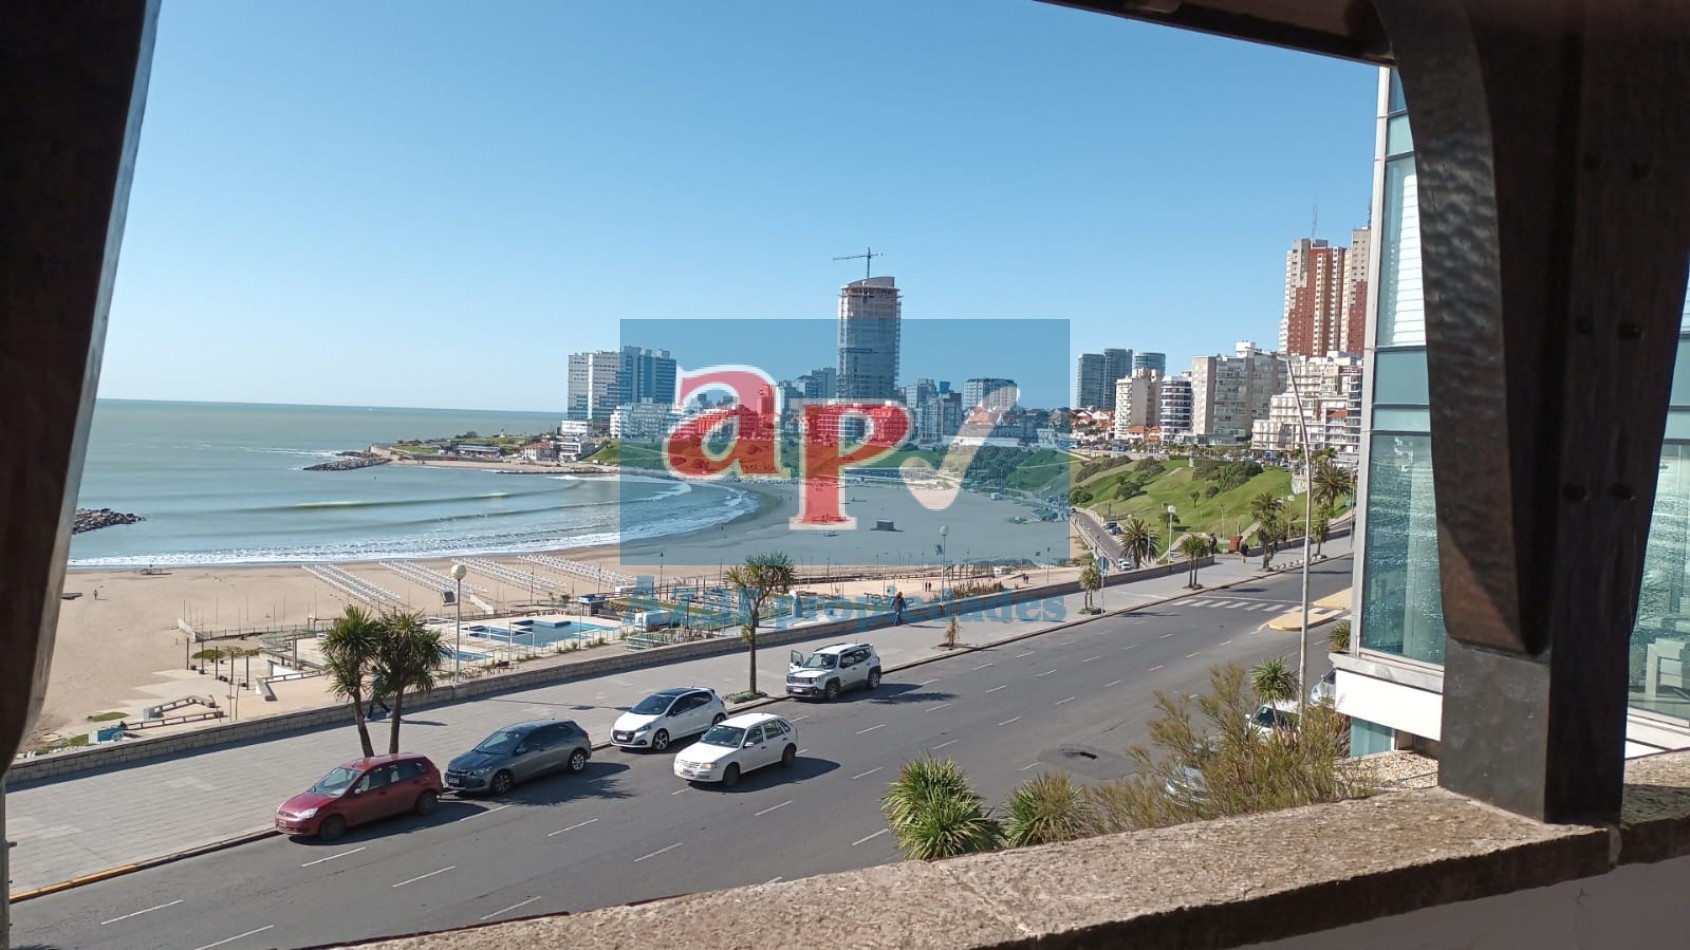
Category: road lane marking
[923,683]
[659,851]
[798,718]
[1030,765]
[870,837]
[488,811]
[802,751]
[237,937]
[1020,655]
[1068,700]
[942,745]
[772,880]
[869,772]
[1115,683]
[140,912]
[510,908]
[425,876]
[1144,620]
[938,707]
[996,688]
[1164,636]
[1225,642]
[772,808]
[1091,658]
[333,856]
[984,665]
[1154,668]
[579,824]
[1128,647]
[1047,672]
[683,788]
[1008,721]
[1190,655]
[870,729]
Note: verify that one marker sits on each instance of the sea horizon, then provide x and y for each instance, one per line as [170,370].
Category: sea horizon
[223,483]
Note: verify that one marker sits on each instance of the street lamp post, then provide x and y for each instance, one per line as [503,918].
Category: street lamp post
[1308,525]
[945,570]
[1169,553]
[458,572]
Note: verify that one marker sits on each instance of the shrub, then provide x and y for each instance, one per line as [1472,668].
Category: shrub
[1149,468]
[935,813]
[1048,809]
[1211,491]
[1339,637]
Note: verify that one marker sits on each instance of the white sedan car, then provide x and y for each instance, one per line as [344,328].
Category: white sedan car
[736,746]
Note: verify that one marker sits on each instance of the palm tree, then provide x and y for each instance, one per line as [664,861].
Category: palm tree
[759,578]
[1266,505]
[1320,530]
[1331,484]
[1270,531]
[408,660]
[935,813]
[1138,540]
[1273,681]
[1194,548]
[1090,580]
[1047,809]
[349,655]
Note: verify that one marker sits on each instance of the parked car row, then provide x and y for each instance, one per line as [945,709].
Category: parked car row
[376,787]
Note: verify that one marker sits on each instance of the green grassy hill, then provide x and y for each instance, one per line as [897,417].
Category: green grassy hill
[1223,493]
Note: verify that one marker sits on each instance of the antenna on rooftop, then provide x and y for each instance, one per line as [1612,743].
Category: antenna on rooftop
[1314,226]
[867,258]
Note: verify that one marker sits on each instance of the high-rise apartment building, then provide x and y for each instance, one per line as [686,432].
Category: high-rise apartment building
[1327,389]
[1155,362]
[1137,403]
[926,411]
[647,376]
[869,334]
[593,388]
[819,383]
[1095,376]
[1357,264]
[990,393]
[1090,381]
[1229,393]
[1313,320]
[1173,411]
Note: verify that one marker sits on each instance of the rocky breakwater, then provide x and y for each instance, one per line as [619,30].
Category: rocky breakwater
[92,519]
[349,460]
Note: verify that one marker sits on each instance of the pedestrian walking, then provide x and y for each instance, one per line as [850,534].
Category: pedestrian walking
[898,607]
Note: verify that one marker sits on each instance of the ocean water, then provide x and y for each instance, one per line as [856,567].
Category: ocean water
[223,483]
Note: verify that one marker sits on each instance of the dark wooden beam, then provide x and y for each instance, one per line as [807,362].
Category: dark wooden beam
[1348,29]
[73,83]
[1553,159]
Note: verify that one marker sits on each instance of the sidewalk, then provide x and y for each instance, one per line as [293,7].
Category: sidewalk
[93,822]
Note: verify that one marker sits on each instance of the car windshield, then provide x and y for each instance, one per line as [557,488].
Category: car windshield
[336,782]
[503,742]
[653,705]
[724,735]
[1268,718]
[820,661]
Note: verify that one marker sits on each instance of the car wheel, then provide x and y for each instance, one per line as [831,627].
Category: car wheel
[427,802]
[873,679]
[660,741]
[716,720]
[502,782]
[788,756]
[730,777]
[577,760]
[332,828]
[832,691]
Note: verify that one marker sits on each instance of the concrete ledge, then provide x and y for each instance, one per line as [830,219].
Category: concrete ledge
[1218,884]
[133,752]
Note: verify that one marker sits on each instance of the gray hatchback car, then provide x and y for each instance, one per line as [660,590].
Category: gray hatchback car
[518,753]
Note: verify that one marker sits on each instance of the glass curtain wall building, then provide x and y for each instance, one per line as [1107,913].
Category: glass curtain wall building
[1391,685]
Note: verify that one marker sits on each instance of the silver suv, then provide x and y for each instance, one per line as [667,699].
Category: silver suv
[830,670]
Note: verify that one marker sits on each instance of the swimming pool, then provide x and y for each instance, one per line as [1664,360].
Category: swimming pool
[538,633]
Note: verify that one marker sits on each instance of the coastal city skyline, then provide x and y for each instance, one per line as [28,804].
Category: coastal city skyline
[420,250]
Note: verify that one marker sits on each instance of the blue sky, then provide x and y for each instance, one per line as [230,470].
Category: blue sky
[431,204]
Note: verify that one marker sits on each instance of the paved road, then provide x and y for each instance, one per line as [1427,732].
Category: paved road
[1097,535]
[628,830]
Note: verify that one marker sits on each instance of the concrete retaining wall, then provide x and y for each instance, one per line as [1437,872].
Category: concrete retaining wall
[139,750]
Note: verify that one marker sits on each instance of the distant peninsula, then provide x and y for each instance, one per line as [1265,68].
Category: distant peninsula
[349,460]
[92,519]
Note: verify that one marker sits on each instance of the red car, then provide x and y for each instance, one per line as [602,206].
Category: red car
[359,791]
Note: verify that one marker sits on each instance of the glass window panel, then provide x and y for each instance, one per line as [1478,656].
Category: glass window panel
[1399,378]
[1402,310]
[1660,641]
[1368,738]
[1402,603]
[1403,420]
[1678,426]
[1681,376]
[1398,104]
[1399,138]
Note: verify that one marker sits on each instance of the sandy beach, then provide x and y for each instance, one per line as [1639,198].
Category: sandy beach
[120,648]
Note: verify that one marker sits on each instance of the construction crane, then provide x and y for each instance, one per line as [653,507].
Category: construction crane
[867,258]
